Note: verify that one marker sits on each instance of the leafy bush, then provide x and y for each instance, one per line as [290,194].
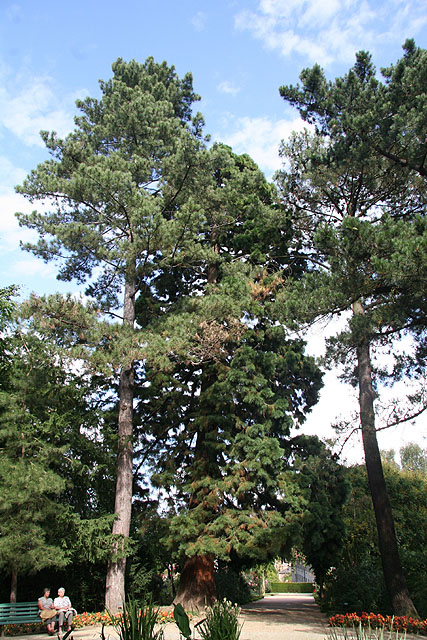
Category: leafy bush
[358,587]
[232,586]
[291,587]
[357,583]
[221,622]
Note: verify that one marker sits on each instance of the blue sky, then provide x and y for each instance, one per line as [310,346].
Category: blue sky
[239,52]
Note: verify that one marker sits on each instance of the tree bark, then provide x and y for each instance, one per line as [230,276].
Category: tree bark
[115,581]
[197,585]
[13,585]
[387,542]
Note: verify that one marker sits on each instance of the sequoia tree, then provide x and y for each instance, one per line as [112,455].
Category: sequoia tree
[361,217]
[217,416]
[110,188]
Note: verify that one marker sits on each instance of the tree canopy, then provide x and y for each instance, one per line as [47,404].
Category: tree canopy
[361,217]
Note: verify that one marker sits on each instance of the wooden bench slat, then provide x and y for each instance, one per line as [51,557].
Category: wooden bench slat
[18,613]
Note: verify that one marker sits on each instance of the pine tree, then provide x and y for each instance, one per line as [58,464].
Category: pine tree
[361,215]
[112,187]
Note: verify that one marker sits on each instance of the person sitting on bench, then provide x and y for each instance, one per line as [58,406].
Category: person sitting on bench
[65,611]
[47,610]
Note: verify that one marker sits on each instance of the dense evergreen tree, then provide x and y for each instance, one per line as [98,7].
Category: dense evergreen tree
[54,466]
[112,187]
[216,418]
[362,218]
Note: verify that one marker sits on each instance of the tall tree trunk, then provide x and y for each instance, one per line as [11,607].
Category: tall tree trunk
[115,582]
[387,542]
[13,585]
[197,585]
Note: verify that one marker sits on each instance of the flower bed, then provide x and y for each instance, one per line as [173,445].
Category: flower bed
[378,621]
[86,619]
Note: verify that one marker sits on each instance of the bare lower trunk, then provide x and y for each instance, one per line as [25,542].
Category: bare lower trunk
[115,582]
[387,542]
[13,585]
[197,585]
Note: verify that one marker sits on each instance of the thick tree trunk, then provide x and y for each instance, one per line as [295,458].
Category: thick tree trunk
[197,585]
[115,582]
[387,542]
[13,585]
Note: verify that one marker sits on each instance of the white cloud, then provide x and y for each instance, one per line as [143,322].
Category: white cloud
[259,137]
[33,267]
[228,87]
[327,30]
[199,21]
[10,175]
[10,231]
[30,103]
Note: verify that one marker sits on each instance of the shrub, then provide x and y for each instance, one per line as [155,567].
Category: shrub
[136,623]
[291,587]
[221,622]
[232,586]
[358,587]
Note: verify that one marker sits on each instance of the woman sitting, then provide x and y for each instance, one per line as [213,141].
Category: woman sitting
[65,611]
[47,610]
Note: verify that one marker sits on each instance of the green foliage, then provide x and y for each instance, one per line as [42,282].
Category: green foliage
[366,210]
[55,464]
[137,621]
[6,304]
[413,458]
[360,212]
[323,491]
[291,587]
[117,191]
[225,383]
[182,620]
[150,555]
[116,180]
[7,307]
[221,622]
[356,583]
[231,586]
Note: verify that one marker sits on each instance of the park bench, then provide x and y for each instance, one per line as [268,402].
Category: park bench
[18,613]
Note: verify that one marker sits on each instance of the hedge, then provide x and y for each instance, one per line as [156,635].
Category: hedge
[291,587]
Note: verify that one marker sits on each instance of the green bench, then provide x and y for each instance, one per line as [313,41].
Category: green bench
[18,613]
